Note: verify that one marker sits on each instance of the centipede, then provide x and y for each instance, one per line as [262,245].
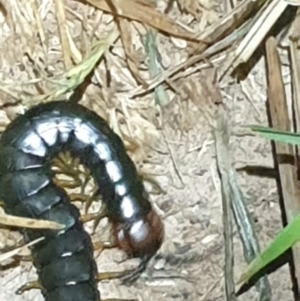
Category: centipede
[64,259]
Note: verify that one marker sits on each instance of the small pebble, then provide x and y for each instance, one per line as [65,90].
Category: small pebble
[160,264]
[179,43]
[209,238]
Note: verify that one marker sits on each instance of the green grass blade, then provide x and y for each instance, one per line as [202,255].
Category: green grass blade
[276,135]
[286,238]
[74,77]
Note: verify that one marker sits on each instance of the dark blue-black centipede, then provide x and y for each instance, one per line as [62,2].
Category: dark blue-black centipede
[64,259]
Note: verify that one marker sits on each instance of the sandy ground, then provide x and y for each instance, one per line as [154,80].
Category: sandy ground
[189,265]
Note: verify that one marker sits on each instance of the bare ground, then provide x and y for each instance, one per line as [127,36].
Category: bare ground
[189,265]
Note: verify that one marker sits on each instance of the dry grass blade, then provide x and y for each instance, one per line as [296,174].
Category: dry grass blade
[295,66]
[39,25]
[221,139]
[70,80]
[67,82]
[234,198]
[62,25]
[16,251]
[293,2]
[167,74]
[152,52]
[214,36]
[140,11]
[133,64]
[174,162]
[280,120]
[295,77]
[22,222]
[229,23]
[261,26]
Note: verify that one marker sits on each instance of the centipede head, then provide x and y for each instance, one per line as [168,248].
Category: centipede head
[141,238]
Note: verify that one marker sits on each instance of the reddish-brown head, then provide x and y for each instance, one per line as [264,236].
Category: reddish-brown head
[142,238]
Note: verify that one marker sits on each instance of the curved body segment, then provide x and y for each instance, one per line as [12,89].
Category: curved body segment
[64,260]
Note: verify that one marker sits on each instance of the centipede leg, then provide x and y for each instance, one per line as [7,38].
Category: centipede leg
[23,258]
[131,145]
[92,197]
[79,197]
[67,165]
[112,276]
[128,276]
[101,276]
[114,299]
[154,183]
[89,217]
[70,168]
[101,245]
[96,217]
[68,183]
[28,286]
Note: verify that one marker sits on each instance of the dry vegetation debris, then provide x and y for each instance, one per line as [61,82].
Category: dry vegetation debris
[157,71]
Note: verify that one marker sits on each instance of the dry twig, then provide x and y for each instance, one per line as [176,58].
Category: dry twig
[216,38]
[221,140]
[22,222]
[233,198]
[17,251]
[295,66]
[152,52]
[229,23]
[262,23]
[280,120]
[144,12]
[63,27]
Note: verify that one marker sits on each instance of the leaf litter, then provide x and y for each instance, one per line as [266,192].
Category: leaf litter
[142,65]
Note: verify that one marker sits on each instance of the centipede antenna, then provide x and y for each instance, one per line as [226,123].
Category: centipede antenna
[133,276]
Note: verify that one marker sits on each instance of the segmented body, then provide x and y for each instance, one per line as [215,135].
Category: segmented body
[64,260]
